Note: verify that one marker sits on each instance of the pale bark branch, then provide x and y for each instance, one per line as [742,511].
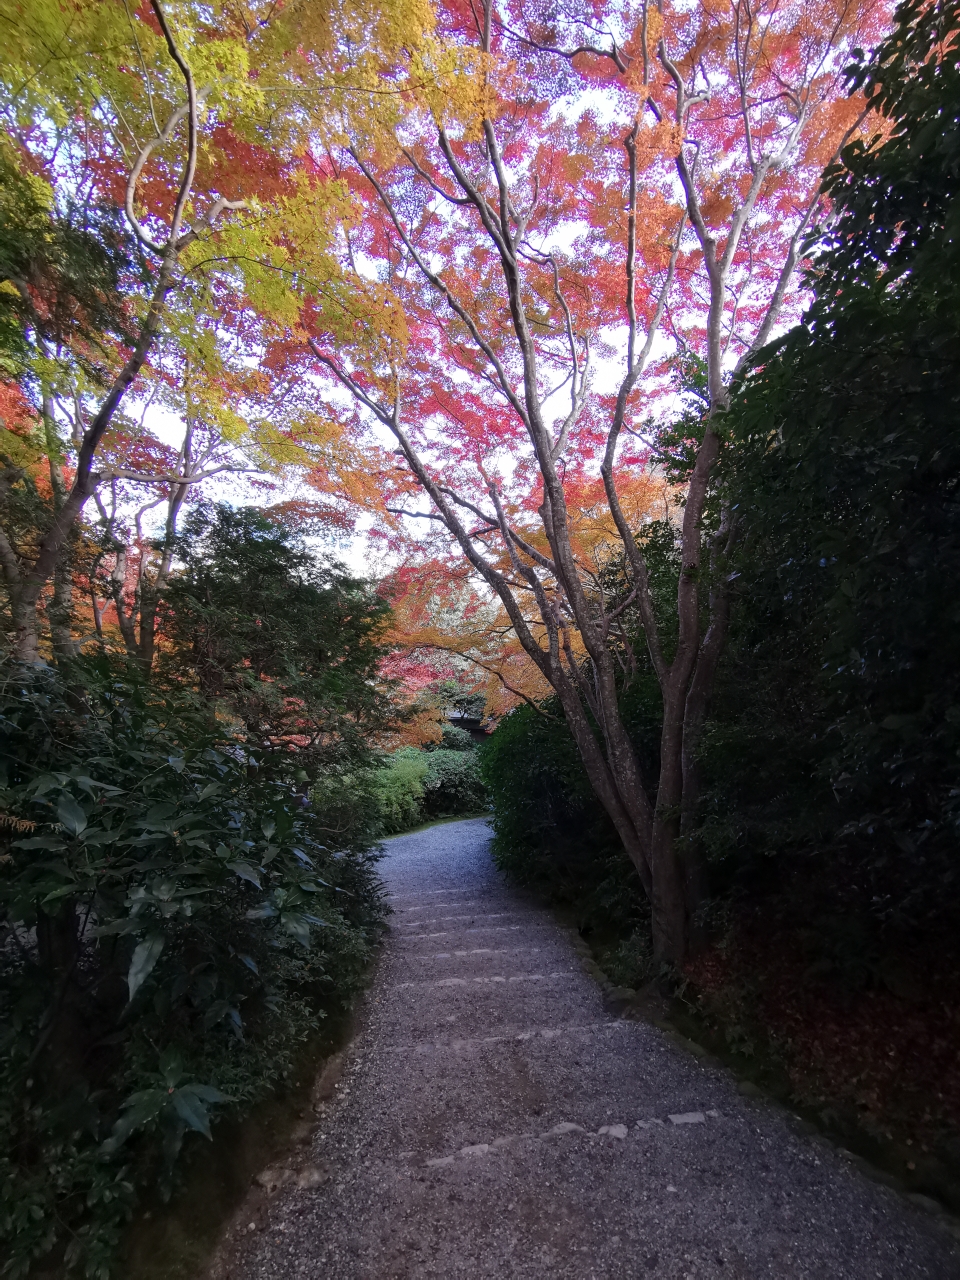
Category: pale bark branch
[778,298]
[491,575]
[435,280]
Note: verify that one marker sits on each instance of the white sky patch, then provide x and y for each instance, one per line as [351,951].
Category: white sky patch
[354,550]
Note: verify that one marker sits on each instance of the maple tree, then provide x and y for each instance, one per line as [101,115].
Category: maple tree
[628,182]
[159,162]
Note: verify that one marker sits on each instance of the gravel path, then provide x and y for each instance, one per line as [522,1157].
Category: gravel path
[494,1121]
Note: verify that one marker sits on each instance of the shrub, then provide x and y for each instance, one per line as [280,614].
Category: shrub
[414,786]
[173,922]
[398,789]
[346,806]
[550,831]
[454,739]
[452,784]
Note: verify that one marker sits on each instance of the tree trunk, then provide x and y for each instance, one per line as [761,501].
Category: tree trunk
[126,621]
[26,627]
[606,786]
[60,608]
[668,867]
[151,593]
[669,900]
[694,719]
[68,512]
[670,917]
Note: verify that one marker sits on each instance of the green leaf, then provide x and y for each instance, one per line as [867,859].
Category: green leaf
[245,872]
[263,912]
[216,1013]
[128,925]
[268,827]
[192,1111]
[62,892]
[171,1066]
[139,1109]
[145,956]
[47,781]
[206,1092]
[159,812]
[92,838]
[72,817]
[897,722]
[296,925]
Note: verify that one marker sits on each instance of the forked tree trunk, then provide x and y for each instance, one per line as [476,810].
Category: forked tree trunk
[655,818]
[662,850]
[138,619]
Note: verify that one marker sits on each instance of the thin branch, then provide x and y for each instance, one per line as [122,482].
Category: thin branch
[415,515]
[775,305]
[438,284]
[615,613]
[641,577]
[589,695]
[613,53]
[121,473]
[494,671]
[186,181]
[458,200]
[469,506]
[491,575]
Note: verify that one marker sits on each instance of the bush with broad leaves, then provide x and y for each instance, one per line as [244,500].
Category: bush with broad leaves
[173,921]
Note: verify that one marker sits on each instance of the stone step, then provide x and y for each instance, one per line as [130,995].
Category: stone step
[495,1122]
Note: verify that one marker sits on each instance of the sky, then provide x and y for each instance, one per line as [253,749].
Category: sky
[354,551]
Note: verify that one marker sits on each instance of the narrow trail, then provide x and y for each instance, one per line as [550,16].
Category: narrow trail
[495,1121]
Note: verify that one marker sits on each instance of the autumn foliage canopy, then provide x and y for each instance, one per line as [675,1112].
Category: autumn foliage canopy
[446,265]
[592,201]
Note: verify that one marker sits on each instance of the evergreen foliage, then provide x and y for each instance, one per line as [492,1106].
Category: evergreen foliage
[836,735]
[176,914]
[415,786]
[173,922]
[550,831]
[398,790]
[286,644]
